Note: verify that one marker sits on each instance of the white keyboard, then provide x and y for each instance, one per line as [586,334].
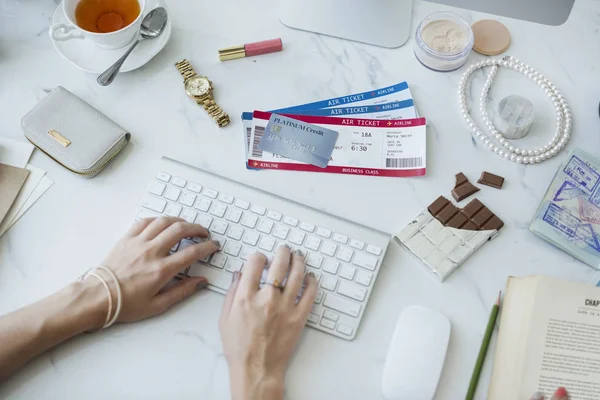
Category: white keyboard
[344,256]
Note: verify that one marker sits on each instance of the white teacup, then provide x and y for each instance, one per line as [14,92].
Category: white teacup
[111,40]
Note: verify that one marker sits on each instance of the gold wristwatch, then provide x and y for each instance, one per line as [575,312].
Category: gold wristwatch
[200,89]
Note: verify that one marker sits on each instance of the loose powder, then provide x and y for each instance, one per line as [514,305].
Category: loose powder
[445,36]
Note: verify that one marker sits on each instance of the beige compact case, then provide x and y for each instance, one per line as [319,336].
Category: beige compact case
[73,133]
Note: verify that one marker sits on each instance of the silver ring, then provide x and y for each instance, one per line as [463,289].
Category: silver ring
[275,283]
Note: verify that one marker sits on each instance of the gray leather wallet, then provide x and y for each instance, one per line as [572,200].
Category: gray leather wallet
[73,133]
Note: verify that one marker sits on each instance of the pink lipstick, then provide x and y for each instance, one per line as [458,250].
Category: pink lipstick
[251,49]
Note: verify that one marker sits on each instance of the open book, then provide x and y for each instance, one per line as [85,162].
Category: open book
[549,337]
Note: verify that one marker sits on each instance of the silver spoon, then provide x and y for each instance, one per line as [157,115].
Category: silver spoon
[152,26]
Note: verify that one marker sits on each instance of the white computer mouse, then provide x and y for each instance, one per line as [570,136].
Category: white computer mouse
[415,359]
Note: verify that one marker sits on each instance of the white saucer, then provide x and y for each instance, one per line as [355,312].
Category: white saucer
[85,55]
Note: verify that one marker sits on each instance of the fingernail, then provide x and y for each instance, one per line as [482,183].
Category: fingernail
[235,276]
[537,396]
[561,393]
[217,243]
[202,285]
[312,275]
[287,246]
[297,252]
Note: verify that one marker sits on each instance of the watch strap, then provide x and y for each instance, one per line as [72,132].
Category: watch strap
[185,68]
[216,112]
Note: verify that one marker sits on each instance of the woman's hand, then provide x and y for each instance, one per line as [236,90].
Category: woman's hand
[560,394]
[143,266]
[260,327]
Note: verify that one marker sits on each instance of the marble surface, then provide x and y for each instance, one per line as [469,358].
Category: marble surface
[178,355]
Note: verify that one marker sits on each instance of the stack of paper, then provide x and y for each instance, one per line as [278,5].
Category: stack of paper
[14,158]
[380,134]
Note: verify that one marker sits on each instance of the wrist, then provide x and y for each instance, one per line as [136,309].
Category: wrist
[254,383]
[89,303]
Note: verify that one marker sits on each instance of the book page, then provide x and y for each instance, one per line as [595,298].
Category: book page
[563,342]
[515,312]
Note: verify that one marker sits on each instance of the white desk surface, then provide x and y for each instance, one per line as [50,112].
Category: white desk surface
[178,355]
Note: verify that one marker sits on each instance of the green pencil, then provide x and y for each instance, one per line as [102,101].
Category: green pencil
[483,349]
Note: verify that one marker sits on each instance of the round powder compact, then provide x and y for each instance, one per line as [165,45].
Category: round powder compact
[443,41]
[491,37]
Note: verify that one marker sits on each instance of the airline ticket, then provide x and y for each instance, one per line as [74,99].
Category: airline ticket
[395,148]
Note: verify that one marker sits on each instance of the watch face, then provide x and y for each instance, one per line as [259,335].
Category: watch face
[197,86]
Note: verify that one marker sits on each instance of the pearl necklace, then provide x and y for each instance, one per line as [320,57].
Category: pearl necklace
[496,142]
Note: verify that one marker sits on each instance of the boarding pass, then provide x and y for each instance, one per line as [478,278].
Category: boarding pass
[364,146]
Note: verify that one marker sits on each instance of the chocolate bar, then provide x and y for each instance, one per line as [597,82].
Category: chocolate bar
[475,216]
[463,188]
[491,180]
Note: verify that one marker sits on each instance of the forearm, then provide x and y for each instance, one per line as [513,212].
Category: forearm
[32,330]
[249,384]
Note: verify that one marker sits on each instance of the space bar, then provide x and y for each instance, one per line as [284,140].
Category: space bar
[217,278]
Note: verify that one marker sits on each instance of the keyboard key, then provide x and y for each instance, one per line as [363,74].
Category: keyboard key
[319,296]
[331,315]
[373,249]
[245,252]
[208,192]
[154,204]
[326,233]
[163,176]
[219,227]
[218,260]
[357,244]
[178,182]
[265,226]
[221,239]
[331,266]
[353,291]
[274,215]
[314,260]
[365,261]
[234,265]
[329,282]
[327,323]
[251,238]
[173,210]
[314,318]
[202,204]
[312,243]
[290,221]
[345,330]
[233,215]
[249,220]
[338,237]
[243,204]
[347,272]
[258,210]
[189,215]
[345,254]
[305,226]
[194,187]
[145,213]
[281,232]
[204,220]
[364,277]
[157,188]
[226,198]
[266,243]
[329,248]
[172,193]
[187,199]
[232,248]
[297,237]
[342,305]
[235,232]
[218,210]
